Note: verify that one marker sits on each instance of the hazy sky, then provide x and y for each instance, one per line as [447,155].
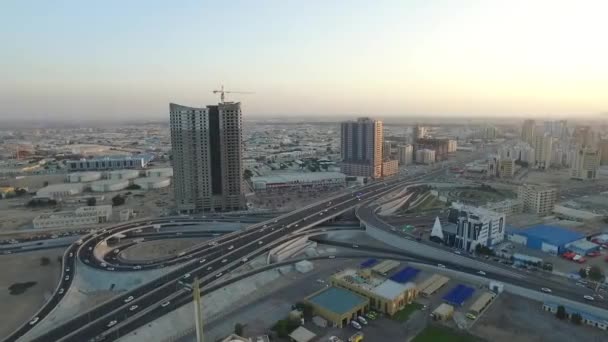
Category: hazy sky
[129,59]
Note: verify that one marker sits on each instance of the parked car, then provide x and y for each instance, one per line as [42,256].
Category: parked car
[355,325]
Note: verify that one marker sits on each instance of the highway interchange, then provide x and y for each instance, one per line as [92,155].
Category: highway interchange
[212,260]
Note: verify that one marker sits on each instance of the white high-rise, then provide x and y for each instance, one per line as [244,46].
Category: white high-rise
[585,163]
[207,157]
[542,151]
[406,154]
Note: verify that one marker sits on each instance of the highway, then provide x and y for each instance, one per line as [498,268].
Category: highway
[221,255]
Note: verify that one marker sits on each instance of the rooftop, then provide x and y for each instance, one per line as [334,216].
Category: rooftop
[391,289]
[298,176]
[552,234]
[337,300]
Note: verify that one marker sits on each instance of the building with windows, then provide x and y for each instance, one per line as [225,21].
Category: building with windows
[506,168]
[207,157]
[82,216]
[58,191]
[474,226]
[425,156]
[390,168]
[298,181]
[586,318]
[110,163]
[452,146]
[528,131]
[439,146]
[550,239]
[585,163]
[537,199]
[543,145]
[405,154]
[362,144]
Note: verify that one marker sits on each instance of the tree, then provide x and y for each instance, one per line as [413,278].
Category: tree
[561,312]
[44,261]
[582,272]
[576,318]
[239,328]
[595,274]
[91,201]
[118,200]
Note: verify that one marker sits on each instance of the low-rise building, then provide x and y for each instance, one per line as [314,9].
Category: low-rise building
[82,216]
[390,168]
[338,305]
[425,156]
[506,207]
[586,318]
[474,226]
[298,180]
[443,312]
[58,191]
[482,303]
[110,163]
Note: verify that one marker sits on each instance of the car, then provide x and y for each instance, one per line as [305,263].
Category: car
[34,321]
[164,304]
[61,291]
[209,268]
[186,276]
[332,256]
[133,307]
[355,246]
[260,242]
[224,261]
[87,261]
[334,339]
[137,267]
[362,320]
[231,247]
[67,277]
[471,316]
[355,325]
[218,275]
[441,265]
[112,323]
[481,273]
[67,269]
[202,261]
[245,260]
[71,255]
[588,297]
[110,268]
[103,264]
[458,252]
[546,289]
[116,251]
[128,299]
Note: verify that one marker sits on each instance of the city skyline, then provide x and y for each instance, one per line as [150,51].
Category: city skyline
[342,59]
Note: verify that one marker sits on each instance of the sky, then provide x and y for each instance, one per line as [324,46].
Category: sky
[118,59]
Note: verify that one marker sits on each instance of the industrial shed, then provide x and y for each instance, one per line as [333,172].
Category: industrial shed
[551,239]
[338,305]
[443,312]
[482,303]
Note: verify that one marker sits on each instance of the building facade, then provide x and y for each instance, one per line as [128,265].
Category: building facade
[585,163]
[506,168]
[537,199]
[110,163]
[425,156]
[362,145]
[527,131]
[390,168]
[405,153]
[476,226]
[207,157]
[82,216]
[542,151]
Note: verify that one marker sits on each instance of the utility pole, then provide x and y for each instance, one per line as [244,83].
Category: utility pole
[198,311]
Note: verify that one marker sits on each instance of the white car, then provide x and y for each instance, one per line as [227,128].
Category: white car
[355,246]
[218,275]
[209,268]
[481,273]
[231,247]
[355,325]
[332,257]
[67,278]
[103,264]
[61,291]
[260,242]
[165,304]
[588,297]
[71,255]
[110,268]
[128,299]
[187,275]
[202,261]
[34,321]
[137,267]
[133,307]
[441,265]
[67,269]
[546,289]
[245,260]
[362,320]
[458,252]
[224,261]
[112,323]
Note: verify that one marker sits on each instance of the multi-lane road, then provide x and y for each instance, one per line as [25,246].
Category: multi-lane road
[208,263]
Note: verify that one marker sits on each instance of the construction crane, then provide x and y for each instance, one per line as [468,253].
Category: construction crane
[222,92]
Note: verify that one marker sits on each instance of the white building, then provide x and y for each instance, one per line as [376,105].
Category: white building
[110,163]
[81,177]
[150,183]
[57,191]
[122,174]
[585,163]
[476,226]
[82,216]
[452,146]
[542,151]
[425,156]
[298,180]
[161,172]
[108,185]
[405,154]
[506,207]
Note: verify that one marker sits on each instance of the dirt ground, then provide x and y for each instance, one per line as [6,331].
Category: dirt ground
[514,318]
[159,248]
[21,268]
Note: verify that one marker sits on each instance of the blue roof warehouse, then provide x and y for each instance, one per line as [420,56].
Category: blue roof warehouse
[551,239]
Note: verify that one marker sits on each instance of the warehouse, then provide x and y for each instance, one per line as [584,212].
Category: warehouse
[150,183]
[81,177]
[458,295]
[482,303]
[298,180]
[551,239]
[57,191]
[110,163]
[432,284]
[587,318]
[122,174]
[161,172]
[583,247]
[338,305]
[443,312]
[82,216]
[109,185]
[385,267]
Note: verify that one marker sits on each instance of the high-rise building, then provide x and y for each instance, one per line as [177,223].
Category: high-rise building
[207,157]
[362,142]
[542,151]
[586,161]
[527,131]
[406,154]
[506,168]
[583,136]
[419,132]
[604,152]
[537,199]
[425,156]
[386,150]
